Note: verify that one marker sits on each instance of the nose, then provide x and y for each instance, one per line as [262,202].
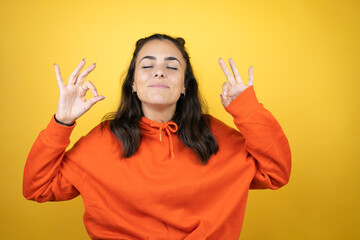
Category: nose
[159,73]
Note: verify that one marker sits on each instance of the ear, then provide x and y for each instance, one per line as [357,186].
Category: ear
[183,90]
[133,87]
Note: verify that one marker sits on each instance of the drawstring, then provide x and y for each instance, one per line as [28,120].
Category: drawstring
[168,127]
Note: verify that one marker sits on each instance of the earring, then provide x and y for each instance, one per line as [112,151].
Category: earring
[182,95]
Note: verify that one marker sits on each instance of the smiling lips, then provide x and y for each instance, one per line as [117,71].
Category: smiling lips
[158,85]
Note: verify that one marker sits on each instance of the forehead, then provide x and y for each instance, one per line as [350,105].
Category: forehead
[160,48]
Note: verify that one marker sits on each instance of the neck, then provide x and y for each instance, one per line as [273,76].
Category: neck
[158,113]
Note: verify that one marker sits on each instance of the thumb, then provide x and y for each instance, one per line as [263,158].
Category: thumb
[89,103]
[224,101]
[226,87]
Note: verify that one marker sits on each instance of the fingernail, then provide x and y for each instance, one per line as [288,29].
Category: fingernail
[221,95]
[83,59]
[54,64]
[219,58]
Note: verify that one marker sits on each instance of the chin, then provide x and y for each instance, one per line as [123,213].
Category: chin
[159,100]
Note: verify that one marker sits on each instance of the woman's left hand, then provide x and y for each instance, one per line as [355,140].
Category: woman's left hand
[234,86]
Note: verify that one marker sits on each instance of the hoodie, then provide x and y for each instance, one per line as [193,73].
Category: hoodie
[162,191]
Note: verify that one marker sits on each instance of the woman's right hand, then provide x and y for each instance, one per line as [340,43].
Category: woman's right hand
[72,103]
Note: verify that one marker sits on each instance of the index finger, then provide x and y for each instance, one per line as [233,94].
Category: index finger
[227,73]
[235,71]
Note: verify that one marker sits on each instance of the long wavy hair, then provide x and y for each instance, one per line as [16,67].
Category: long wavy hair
[193,123]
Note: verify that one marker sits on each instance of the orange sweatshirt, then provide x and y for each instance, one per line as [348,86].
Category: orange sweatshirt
[162,192]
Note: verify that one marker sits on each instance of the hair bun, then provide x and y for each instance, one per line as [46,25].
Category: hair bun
[140,41]
[181,40]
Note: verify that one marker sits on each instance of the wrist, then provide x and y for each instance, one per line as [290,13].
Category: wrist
[63,123]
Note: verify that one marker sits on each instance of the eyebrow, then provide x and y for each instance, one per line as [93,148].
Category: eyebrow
[166,59]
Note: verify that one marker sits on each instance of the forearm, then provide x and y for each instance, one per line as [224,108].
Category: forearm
[43,180]
[264,139]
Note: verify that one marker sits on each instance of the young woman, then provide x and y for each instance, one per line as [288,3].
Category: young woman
[159,168]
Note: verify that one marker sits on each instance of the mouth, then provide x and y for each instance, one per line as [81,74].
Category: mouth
[158,85]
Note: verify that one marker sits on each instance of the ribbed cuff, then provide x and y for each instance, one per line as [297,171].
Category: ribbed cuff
[62,123]
[58,134]
[244,104]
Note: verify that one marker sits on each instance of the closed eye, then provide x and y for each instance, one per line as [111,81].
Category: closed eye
[172,68]
[147,67]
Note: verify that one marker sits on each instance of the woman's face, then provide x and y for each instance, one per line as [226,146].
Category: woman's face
[159,74]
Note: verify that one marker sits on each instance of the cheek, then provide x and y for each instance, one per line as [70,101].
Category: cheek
[140,87]
[139,81]
[180,84]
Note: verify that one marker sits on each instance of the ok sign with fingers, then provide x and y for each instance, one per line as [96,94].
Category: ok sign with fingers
[234,86]
[72,103]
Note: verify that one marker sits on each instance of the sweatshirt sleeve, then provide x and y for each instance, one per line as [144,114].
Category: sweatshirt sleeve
[265,141]
[50,174]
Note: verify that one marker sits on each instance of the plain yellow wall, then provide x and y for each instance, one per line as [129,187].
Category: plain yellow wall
[306,58]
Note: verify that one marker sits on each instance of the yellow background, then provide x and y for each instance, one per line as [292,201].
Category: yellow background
[306,58]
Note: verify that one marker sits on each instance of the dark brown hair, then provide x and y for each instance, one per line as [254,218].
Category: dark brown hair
[193,124]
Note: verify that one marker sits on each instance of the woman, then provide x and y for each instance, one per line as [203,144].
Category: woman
[159,168]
